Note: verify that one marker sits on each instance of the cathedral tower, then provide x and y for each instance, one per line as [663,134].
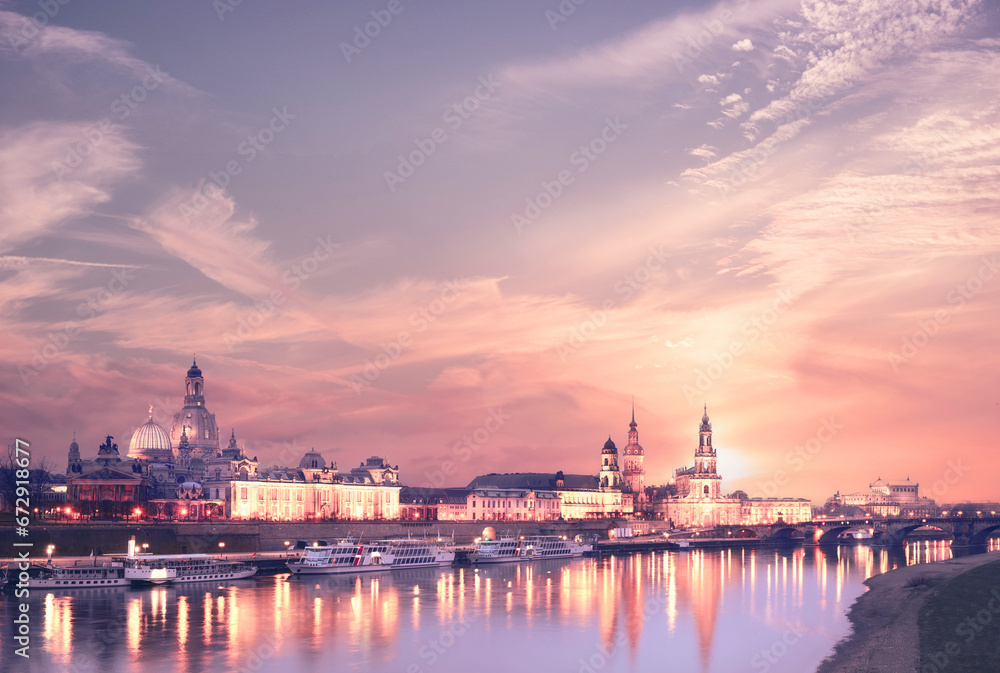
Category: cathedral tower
[634,475]
[705,481]
[194,420]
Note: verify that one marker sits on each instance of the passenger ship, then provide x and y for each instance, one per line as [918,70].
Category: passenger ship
[75,577]
[346,556]
[419,553]
[175,568]
[553,546]
[138,569]
[504,550]
[508,549]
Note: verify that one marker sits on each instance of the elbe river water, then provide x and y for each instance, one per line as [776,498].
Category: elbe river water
[768,610]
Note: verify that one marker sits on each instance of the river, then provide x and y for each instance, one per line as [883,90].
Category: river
[699,611]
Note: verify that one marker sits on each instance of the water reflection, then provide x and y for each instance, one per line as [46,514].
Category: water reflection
[710,611]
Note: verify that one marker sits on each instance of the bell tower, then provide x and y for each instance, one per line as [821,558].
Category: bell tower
[634,474]
[610,476]
[705,481]
[195,386]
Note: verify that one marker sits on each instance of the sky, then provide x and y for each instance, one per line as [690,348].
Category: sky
[467,235]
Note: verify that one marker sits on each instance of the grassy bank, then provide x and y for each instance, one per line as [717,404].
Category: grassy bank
[960,623]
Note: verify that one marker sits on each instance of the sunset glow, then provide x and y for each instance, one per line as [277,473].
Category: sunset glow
[480,236]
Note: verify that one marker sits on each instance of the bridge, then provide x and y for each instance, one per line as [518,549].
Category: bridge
[967,531]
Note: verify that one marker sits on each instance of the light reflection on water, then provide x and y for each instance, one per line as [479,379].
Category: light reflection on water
[707,611]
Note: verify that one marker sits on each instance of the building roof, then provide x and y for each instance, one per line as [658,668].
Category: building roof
[533,481]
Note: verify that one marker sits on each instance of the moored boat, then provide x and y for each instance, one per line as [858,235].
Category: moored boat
[74,577]
[507,549]
[347,556]
[553,546]
[408,553]
[178,568]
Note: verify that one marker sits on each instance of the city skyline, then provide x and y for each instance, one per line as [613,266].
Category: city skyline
[384,243]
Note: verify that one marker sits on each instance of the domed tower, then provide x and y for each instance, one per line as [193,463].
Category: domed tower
[312,460]
[150,442]
[194,419]
[610,477]
[74,464]
[634,475]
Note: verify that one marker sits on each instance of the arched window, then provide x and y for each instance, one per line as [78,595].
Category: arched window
[706,490]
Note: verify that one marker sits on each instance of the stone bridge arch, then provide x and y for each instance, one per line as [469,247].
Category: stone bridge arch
[982,537]
[895,536]
[787,534]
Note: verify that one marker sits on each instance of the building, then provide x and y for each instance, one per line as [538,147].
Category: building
[579,496]
[900,498]
[634,474]
[184,474]
[694,498]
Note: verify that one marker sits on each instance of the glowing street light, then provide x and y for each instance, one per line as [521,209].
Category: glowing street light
[51,548]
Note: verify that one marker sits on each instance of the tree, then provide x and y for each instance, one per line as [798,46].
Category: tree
[39,477]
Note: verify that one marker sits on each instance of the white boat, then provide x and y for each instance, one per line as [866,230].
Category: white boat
[76,577]
[552,546]
[409,553]
[346,556]
[505,550]
[177,568]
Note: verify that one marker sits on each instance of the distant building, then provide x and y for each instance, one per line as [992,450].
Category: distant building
[900,498]
[184,474]
[572,496]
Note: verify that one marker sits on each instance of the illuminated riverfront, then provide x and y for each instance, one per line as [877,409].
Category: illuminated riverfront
[702,611]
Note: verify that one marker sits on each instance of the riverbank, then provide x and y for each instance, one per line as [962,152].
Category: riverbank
[886,620]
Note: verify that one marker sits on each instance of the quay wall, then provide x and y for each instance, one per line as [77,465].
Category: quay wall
[79,539]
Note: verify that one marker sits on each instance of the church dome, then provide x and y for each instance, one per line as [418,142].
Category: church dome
[194,371]
[609,447]
[150,442]
[312,460]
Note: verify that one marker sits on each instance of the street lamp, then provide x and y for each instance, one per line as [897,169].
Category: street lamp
[51,548]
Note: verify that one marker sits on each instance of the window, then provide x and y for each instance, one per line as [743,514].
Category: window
[243,494]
